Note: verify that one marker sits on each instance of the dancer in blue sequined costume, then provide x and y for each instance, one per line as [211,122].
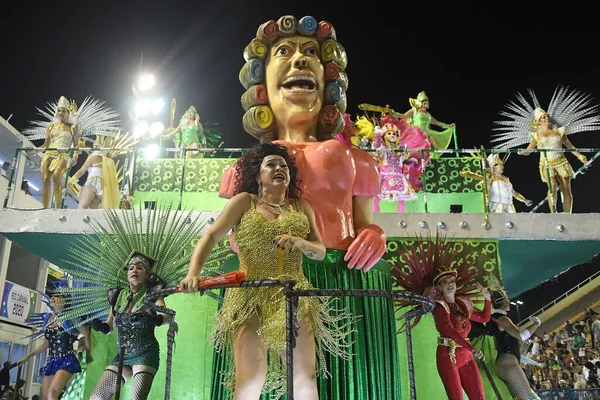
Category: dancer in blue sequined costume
[59,337]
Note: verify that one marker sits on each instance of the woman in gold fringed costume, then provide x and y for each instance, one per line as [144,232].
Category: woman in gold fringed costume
[554,164]
[296,82]
[421,117]
[273,229]
[570,111]
[61,133]
[101,188]
[62,129]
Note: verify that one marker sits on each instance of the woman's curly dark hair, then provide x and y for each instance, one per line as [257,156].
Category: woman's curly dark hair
[247,169]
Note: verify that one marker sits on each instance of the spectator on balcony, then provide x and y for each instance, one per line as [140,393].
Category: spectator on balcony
[5,168]
[25,187]
[535,347]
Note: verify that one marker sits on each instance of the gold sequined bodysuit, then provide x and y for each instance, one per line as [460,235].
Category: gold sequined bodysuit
[61,136]
[260,259]
[554,162]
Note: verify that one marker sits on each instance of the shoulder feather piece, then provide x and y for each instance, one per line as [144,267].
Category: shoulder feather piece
[97,261]
[93,118]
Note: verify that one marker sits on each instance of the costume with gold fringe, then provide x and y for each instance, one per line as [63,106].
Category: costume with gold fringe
[375,377]
[428,263]
[261,260]
[571,111]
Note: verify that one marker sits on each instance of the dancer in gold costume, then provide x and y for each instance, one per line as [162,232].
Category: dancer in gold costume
[62,129]
[296,82]
[570,111]
[273,229]
[60,134]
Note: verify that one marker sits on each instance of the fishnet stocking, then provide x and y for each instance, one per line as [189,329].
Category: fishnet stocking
[106,386]
[142,383]
[509,370]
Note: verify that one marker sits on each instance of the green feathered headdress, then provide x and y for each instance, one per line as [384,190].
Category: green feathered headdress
[96,261]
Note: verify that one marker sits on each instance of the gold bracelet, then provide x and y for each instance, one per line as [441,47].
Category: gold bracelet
[520,197]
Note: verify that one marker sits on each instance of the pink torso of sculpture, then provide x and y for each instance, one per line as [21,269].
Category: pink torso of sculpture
[332,174]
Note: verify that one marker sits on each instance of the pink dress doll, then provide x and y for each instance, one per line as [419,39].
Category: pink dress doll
[413,138]
[394,185]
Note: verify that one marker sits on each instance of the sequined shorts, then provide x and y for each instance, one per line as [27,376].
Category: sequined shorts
[149,356]
[96,183]
[68,363]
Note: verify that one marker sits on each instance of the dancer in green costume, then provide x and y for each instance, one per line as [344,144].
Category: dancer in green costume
[419,113]
[122,261]
[189,133]
[296,84]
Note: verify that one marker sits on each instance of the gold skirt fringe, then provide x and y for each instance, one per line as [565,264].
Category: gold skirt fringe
[560,167]
[331,327]
[55,158]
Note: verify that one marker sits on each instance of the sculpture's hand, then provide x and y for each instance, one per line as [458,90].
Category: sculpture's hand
[367,249]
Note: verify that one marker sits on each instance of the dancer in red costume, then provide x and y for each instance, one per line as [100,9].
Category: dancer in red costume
[437,270]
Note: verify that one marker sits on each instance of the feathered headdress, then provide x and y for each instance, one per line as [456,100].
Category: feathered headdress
[40,320]
[495,158]
[93,118]
[118,141]
[569,108]
[98,260]
[424,263]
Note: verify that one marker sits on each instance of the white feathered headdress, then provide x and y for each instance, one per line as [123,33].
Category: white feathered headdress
[569,108]
[93,118]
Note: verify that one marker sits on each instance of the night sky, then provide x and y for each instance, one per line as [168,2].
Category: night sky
[470,61]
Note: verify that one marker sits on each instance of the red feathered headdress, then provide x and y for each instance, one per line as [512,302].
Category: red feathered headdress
[423,264]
